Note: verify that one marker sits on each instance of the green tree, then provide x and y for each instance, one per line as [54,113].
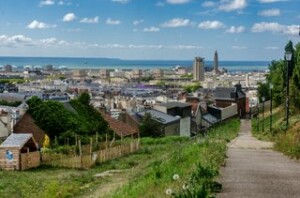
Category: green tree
[192,87]
[263,91]
[295,84]
[277,78]
[149,127]
[84,98]
[33,103]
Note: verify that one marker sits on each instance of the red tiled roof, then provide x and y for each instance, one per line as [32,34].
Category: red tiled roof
[120,128]
[27,125]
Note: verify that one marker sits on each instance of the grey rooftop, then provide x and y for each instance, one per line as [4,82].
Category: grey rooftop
[174,104]
[16,140]
[159,116]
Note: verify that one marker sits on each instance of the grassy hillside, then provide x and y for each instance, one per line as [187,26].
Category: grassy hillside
[147,173]
[286,141]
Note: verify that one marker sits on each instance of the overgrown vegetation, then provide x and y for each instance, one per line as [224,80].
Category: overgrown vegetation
[286,139]
[150,127]
[146,173]
[277,77]
[61,123]
[10,104]
[192,87]
[12,81]
[195,162]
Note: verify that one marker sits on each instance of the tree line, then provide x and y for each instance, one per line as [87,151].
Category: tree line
[278,78]
[80,119]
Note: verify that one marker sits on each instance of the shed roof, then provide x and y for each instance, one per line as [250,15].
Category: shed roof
[224,93]
[16,140]
[27,125]
[120,128]
[160,116]
[210,118]
[174,104]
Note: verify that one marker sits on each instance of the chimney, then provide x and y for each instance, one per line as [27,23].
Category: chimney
[238,87]
[122,116]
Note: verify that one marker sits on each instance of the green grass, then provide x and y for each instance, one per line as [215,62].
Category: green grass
[286,141]
[277,125]
[147,173]
[181,158]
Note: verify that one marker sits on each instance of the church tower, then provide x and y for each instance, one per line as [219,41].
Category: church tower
[216,63]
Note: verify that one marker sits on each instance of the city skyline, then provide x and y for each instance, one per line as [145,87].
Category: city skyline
[161,30]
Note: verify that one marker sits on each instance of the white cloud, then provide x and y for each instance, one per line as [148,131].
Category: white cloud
[272,48]
[235,47]
[177,22]
[270,1]
[39,25]
[211,25]
[137,22]
[47,2]
[23,41]
[270,13]
[185,47]
[276,28]
[90,20]
[121,1]
[131,46]
[207,4]
[232,5]
[52,42]
[110,21]
[15,41]
[151,29]
[178,1]
[69,17]
[234,29]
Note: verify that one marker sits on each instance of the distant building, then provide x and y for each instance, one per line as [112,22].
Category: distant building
[157,73]
[169,125]
[7,68]
[104,73]
[136,73]
[225,96]
[179,110]
[216,63]
[198,69]
[49,68]
[79,73]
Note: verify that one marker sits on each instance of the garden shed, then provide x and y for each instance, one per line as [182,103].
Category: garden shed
[19,152]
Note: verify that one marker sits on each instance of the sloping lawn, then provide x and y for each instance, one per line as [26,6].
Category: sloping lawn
[146,173]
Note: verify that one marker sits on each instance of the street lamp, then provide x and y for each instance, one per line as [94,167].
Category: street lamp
[257,117]
[288,58]
[263,122]
[271,90]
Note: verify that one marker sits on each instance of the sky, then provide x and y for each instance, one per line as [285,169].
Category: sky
[149,29]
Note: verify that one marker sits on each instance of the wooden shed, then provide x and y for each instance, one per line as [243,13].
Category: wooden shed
[19,152]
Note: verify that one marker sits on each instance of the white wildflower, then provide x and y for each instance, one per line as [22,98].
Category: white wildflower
[185,186]
[169,191]
[176,177]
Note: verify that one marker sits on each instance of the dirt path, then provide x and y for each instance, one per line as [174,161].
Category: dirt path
[254,170]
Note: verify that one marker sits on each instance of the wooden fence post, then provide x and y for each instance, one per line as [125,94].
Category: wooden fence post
[80,152]
[91,151]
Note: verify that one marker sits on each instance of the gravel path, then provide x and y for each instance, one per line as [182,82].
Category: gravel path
[253,169]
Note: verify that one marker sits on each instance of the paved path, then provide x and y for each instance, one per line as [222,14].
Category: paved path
[254,170]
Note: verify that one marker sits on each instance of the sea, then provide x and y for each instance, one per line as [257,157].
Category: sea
[109,63]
